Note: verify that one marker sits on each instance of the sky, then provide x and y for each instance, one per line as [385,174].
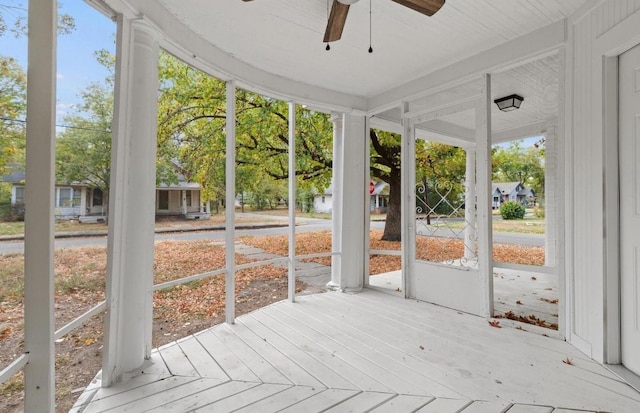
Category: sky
[77,67]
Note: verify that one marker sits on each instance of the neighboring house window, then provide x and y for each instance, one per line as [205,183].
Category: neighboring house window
[77,194]
[323,199]
[188,198]
[96,197]
[163,200]
[19,195]
[65,197]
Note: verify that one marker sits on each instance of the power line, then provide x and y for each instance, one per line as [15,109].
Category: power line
[58,125]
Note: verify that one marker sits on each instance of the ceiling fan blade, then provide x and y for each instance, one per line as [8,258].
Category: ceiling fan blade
[337,19]
[428,7]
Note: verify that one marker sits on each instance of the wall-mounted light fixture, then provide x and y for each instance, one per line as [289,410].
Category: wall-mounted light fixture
[509,103]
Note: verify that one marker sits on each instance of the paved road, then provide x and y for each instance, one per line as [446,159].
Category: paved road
[305,225]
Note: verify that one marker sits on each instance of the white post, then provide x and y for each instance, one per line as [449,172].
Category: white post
[408,216]
[483,187]
[336,199]
[230,205]
[355,189]
[292,202]
[183,202]
[84,194]
[128,324]
[551,197]
[366,234]
[470,205]
[39,322]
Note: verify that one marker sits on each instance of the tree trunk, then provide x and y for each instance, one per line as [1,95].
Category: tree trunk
[393,223]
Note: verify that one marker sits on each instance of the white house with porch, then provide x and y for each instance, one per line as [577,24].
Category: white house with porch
[378,191]
[575,66]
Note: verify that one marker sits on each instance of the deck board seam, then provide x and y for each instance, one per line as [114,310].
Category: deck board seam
[326,385]
[399,350]
[355,351]
[345,361]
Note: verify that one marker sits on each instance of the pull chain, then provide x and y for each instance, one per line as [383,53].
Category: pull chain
[328,47]
[370,48]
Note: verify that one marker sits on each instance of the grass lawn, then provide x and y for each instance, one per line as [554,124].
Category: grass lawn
[528,225]
[17,228]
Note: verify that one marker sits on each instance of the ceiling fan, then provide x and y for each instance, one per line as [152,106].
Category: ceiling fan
[340,8]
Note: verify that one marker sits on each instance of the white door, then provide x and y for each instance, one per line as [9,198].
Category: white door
[629,129]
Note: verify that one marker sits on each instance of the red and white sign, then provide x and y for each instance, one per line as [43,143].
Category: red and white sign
[372,187]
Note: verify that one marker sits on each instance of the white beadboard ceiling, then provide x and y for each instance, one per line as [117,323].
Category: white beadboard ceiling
[275,47]
[284,37]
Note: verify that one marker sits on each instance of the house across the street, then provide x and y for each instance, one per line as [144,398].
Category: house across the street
[511,191]
[85,203]
[379,200]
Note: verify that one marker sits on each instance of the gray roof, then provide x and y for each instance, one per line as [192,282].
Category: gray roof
[505,187]
[16,174]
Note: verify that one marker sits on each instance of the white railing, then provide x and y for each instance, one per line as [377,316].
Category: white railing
[397,253]
[17,364]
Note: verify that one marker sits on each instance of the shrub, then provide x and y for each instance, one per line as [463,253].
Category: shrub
[538,211]
[511,210]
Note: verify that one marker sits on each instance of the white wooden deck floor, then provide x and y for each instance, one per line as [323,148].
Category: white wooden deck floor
[368,352]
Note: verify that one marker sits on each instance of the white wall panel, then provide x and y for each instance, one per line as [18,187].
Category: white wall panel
[585,155]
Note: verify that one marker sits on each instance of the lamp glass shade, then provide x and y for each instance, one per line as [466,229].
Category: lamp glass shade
[347,2]
[509,103]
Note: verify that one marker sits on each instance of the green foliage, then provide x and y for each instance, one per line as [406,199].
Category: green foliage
[440,170]
[13,90]
[83,150]
[13,19]
[518,164]
[512,210]
[538,210]
[192,120]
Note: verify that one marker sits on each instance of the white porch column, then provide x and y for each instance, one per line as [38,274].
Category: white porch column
[39,223]
[183,202]
[229,205]
[483,188]
[355,191]
[336,199]
[470,230]
[292,203]
[551,198]
[132,201]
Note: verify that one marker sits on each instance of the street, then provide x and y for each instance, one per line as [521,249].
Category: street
[305,225]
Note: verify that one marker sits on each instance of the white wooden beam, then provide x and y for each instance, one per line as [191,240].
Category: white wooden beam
[355,181]
[366,235]
[408,216]
[523,132]
[39,219]
[292,203]
[128,325]
[336,199]
[511,53]
[483,185]
[230,205]
[450,132]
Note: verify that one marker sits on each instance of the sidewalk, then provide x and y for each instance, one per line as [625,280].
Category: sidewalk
[160,230]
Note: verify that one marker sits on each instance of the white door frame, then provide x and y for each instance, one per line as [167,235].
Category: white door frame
[609,46]
[479,299]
